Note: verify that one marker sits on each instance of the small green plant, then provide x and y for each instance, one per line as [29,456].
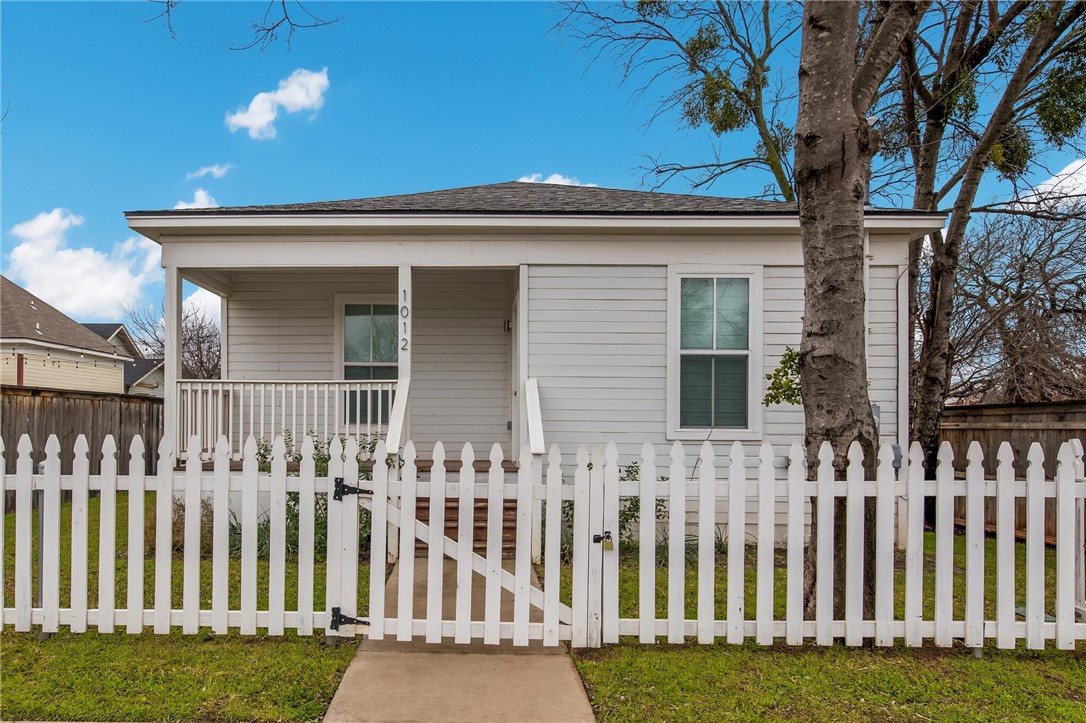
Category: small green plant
[629,512]
[783,387]
[321,453]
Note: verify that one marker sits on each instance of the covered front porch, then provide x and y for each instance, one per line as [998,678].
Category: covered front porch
[426,353]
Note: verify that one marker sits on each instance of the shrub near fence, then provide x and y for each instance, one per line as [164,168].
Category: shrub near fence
[735,600]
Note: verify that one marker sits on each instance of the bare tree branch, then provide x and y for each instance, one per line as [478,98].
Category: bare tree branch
[200,343]
[277,19]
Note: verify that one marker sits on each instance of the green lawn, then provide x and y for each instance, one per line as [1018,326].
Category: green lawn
[175,676]
[633,682]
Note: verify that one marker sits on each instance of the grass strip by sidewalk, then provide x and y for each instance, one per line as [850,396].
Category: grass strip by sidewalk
[722,682]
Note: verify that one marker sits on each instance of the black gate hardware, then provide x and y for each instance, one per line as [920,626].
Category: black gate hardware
[605,537]
[339,618]
[344,489]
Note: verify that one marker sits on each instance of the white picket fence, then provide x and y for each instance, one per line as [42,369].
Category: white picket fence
[695,491]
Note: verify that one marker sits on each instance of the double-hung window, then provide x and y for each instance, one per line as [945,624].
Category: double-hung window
[367,346]
[714,366]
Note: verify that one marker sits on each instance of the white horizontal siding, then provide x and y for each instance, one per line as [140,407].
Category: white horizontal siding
[597,343]
[281,323]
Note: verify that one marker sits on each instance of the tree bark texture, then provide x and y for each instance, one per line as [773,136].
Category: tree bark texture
[833,151]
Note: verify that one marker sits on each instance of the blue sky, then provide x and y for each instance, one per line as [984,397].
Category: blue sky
[108,113]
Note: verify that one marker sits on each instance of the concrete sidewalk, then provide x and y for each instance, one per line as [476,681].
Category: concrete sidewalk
[415,681]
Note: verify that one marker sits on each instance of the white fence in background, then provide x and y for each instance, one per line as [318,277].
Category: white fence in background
[208,409]
[596,494]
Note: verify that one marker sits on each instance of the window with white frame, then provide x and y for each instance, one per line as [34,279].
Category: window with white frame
[714,366]
[367,352]
[369,341]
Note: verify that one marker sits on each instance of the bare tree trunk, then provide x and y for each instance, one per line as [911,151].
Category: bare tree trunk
[834,147]
[935,361]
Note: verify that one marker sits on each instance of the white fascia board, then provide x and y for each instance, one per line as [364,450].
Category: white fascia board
[154,226]
[62,347]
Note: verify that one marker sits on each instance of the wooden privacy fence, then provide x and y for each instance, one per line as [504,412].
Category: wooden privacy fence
[1048,424]
[68,414]
[259,581]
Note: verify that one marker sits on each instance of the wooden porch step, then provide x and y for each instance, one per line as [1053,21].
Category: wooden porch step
[423,465]
[479,534]
[454,465]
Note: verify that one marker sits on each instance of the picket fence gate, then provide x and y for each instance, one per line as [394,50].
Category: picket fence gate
[596,495]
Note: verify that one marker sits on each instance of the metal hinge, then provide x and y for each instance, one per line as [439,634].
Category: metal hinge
[341,489]
[338,618]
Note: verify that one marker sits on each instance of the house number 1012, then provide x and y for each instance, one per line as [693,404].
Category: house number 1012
[405,312]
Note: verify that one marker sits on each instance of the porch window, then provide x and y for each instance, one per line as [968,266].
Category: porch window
[714,365]
[369,353]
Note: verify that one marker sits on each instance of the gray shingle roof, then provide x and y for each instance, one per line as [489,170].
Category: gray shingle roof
[514,197]
[104,330]
[139,368]
[25,316]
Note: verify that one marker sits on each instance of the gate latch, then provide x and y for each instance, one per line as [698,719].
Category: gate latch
[606,539]
[338,618]
[341,489]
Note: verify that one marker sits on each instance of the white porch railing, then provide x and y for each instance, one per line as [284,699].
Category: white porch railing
[235,409]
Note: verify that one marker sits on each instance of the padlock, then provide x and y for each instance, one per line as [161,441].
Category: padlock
[608,541]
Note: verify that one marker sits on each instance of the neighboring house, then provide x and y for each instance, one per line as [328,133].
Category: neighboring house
[514,313]
[143,377]
[41,347]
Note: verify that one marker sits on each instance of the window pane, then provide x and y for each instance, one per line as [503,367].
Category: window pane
[358,373]
[732,313]
[695,391]
[384,333]
[696,315]
[730,391]
[357,324]
[383,372]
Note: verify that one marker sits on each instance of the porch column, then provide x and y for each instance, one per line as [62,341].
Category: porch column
[403,372]
[172,359]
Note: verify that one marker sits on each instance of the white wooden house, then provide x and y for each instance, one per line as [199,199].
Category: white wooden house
[513,313]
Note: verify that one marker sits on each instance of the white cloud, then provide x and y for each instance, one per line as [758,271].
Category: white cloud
[205,302]
[217,170]
[1070,181]
[84,283]
[303,90]
[556,178]
[200,199]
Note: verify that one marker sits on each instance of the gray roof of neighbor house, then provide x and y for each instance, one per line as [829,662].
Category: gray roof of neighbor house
[25,316]
[104,330]
[139,368]
[126,344]
[515,197]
